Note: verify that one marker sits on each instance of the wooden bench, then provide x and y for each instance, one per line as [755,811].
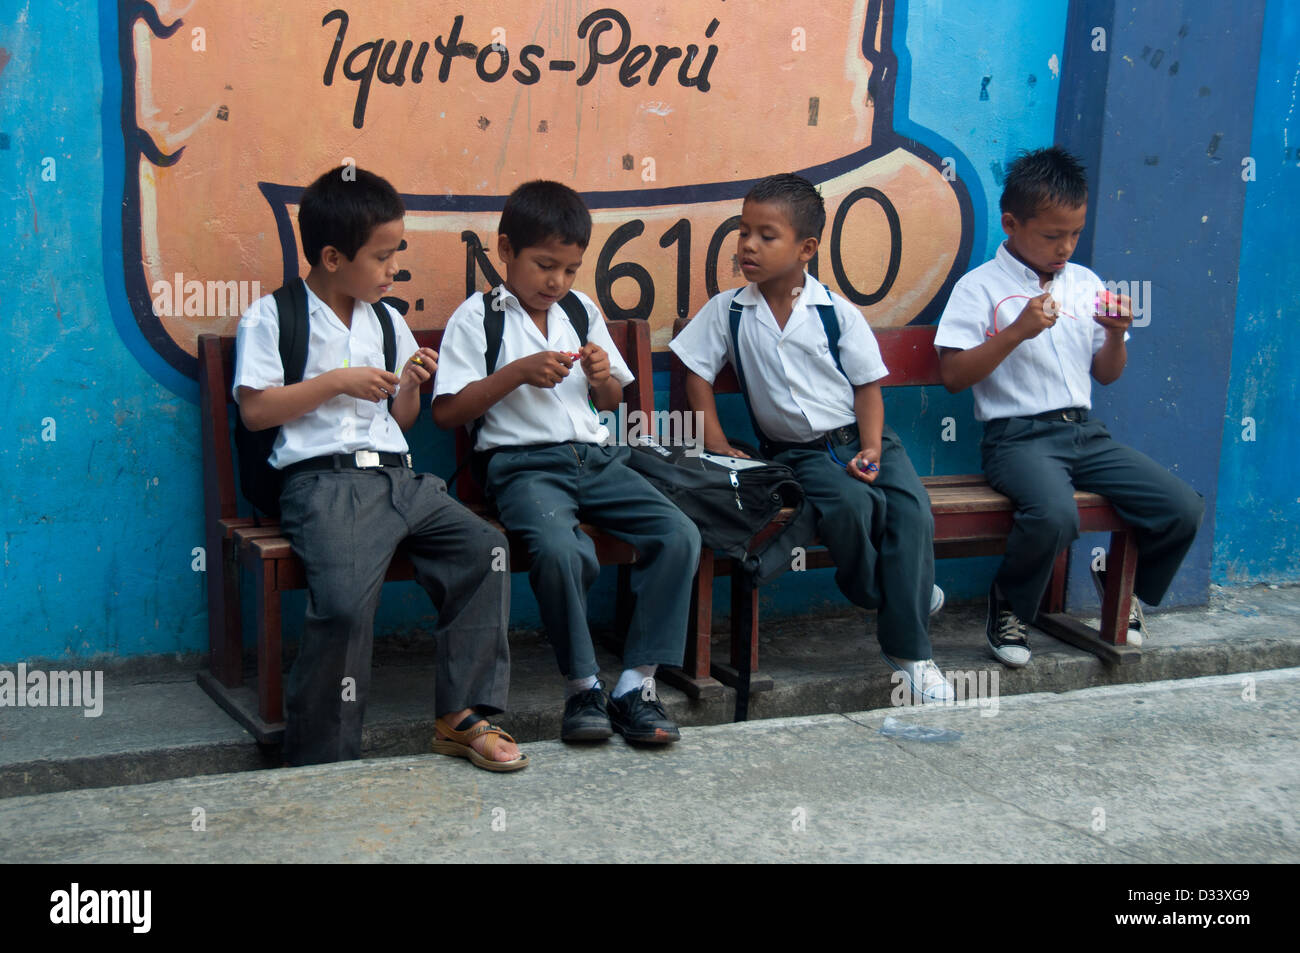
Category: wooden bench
[238,544]
[970,519]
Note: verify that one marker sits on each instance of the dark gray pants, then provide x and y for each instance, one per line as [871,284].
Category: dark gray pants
[345,526]
[1040,463]
[881,536]
[544,493]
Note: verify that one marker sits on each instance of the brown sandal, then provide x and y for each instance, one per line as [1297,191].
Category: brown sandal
[457,743]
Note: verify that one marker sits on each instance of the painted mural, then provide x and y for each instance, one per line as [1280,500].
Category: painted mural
[661,115]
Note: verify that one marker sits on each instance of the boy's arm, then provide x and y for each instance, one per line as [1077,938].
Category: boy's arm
[699,397]
[1109,360]
[960,369]
[274,406]
[869,408]
[543,369]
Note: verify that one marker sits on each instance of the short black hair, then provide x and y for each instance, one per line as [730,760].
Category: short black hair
[1040,179]
[540,210]
[342,208]
[803,203]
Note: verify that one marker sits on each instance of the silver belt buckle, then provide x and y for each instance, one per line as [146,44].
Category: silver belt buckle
[367,459]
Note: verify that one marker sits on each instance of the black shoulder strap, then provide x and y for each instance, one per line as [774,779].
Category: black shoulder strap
[291,309]
[831,325]
[577,316]
[494,325]
[733,318]
[390,340]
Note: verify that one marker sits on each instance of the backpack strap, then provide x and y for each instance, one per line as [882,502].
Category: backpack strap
[577,316]
[390,340]
[291,312]
[733,319]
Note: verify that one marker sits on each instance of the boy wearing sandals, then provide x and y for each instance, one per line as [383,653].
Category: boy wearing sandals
[548,466]
[350,496]
[811,370]
[1025,332]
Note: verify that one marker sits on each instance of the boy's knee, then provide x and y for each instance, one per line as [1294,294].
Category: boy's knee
[1058,518]
[561,549]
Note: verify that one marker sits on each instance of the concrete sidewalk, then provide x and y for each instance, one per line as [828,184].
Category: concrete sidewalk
[157,724]
[1190,771]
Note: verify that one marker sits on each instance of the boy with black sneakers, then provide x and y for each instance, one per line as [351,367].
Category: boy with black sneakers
[810,369]
[542,448]
[350,497]
[1024,331]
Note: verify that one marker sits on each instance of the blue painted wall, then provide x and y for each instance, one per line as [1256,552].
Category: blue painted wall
[100,461]
[1257,534]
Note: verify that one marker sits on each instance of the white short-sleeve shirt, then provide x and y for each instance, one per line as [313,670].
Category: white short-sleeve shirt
[1047,372]
[342,424]
[528,414]
[795,390]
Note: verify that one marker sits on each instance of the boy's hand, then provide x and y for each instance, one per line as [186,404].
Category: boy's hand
[366,383]
[726,450]
[545,368]
[1038,315]
[866,465]
[421,366]
[1113,312]
[595,363]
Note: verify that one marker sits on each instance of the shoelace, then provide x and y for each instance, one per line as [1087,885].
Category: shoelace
[1010,628]
[930,675]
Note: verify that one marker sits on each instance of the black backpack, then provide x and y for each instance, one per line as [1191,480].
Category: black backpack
[730,501]
[258,480]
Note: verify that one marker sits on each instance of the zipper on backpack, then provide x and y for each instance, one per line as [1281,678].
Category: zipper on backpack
[735,488]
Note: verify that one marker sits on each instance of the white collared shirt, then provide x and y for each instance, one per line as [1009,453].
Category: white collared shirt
[1047,372]
[527,414]
[342,424]
[795,390]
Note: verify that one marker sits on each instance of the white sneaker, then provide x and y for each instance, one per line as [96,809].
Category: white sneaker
[923,677]
[936,600]
[1005,633]
[1137,623]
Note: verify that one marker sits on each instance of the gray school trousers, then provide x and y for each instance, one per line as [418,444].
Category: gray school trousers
[1040,463]
[543,493]
[880,535]
[345,526]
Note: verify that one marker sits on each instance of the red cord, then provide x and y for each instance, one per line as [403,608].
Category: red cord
[989,334]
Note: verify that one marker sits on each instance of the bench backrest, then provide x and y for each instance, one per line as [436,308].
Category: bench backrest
[908,352]
[217,404]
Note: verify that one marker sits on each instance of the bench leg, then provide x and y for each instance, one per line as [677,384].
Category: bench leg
[270,660]
[744,639]
[1106,644]
[225,642]
[1116,602]
[694,678]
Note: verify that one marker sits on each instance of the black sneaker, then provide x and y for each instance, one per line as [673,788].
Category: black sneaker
[586,717]
[1006,633]
[639,716]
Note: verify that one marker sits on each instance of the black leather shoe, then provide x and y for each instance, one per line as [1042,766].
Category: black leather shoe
[642,720]
[586,717]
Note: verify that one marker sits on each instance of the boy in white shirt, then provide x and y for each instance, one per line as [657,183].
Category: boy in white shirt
[350,497]
[1024,331]
[810,369]
[541,447]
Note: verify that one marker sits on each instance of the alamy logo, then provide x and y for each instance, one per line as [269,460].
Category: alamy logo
[103,906]
[38,689]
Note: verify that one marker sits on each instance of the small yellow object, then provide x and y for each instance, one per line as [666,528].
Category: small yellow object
[415,359]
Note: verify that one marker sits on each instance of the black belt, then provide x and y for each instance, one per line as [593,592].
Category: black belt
[837,437]
[1070,415]
[360,460]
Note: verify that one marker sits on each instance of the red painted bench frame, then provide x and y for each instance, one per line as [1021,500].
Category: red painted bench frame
[239,544]
[969,520]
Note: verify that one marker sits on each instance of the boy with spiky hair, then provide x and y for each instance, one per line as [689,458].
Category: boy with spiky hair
[542,450]
[1024,331]
[350,496]
[810,370]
